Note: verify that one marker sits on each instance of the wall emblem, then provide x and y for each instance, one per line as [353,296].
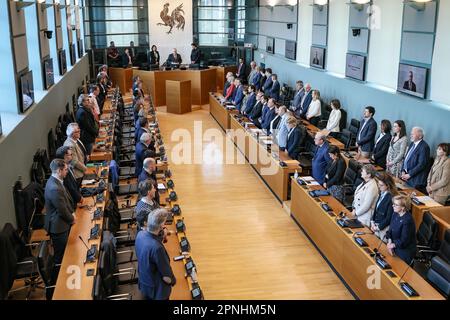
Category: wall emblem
[175,19]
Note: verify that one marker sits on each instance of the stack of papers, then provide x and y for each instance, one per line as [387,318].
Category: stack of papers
[255,130]
[428,201]
[310,181]
[161,186]
[86,182]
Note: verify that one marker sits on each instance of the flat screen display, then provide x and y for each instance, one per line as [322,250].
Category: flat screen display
[270,45]
[80,48]
[290,51]
[49,77]
[355,66]
[73,57]
[26,91]
[412,80]
[62,62]
[317,57]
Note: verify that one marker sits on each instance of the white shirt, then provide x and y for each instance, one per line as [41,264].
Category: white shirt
[314,109]
[93,100]
[380,137]
[334,120]
[271,124]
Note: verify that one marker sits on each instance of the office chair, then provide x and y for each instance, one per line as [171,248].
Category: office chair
[51,144]
[305,157]
[350,181]
[427,237]
[46,267]
[323,119]
[439,271]
[354,128]
[347,138]
[343,121]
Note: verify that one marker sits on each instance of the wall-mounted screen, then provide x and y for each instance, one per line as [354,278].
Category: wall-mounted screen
[290,51]
[355,66]
[412,80]
[80,48]
[270,45]
[73,57]
[49,77]
[26,91]
[317,57]
[62,62]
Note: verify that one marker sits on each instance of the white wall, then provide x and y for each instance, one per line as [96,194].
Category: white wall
[305,20]
[441,62]
[384,43]
[338,21]
[180,39]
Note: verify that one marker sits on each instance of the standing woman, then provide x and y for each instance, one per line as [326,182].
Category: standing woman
[366,196]
[397,149]
[382,144]
[335,118]
[402,230]
[154,55]
[315,108]
[383,209]
[438,184]
[334,177]
[262,79]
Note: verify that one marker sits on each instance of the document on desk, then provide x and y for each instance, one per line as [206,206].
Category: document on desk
[429,202]
[86,182]
[310,181]
[161,186]
[254,130]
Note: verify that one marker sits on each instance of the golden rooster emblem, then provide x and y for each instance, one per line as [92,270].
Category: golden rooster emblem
[175,19]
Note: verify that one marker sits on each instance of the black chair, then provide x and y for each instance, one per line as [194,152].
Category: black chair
[427,233]
[46,266]
[346,138]
[305,157]
[354,128]
[351,181]
[324,119]
[439,271]
[343,122]
[51,144]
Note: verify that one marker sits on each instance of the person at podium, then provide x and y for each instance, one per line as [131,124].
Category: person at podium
[174,59]
[195,54]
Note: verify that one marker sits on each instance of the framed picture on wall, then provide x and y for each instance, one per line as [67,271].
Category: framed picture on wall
[412,80]
[1,131]
[73,57]
[62,62]
[270,45]
[26,91]
[317,57]
[49,77]
[80,48]
[290,50]
[355,66]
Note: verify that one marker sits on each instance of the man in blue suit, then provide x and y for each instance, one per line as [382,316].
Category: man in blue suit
[269,115]
[268,84]
[365,139]
[299,94]
[305,102]
[239,94]
[257,78]
[321,158]
[275,89]
[295,136]
[414,170]
[143,128]
[251,100]
[141,147]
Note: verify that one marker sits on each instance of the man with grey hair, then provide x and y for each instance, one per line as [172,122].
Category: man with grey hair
[86,122]
[141,148]
[321,158]
[149,172]
[155,275]
[415,167]
[253,72]
[79,156]
[227,83]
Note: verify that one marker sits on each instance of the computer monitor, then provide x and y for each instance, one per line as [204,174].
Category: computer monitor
[317,57]
[49,77]
[62,62]
[26,91]
[355,66]
[412,80]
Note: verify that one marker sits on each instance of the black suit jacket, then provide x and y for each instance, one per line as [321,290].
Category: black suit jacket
[87,124]
[335,172]
[153,58]
[125,60]
[368,132]
[241,73]
[256,111]
[72,187]
[294,142]
[171,59]
[195,56]
[383,213]
[144,176]
[406,86]
[381,149]
[58,217]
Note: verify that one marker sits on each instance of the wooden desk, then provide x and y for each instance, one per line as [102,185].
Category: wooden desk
[264,162]
[312,130]
[202,82]
[350,260]
[178,96]
[361,161]
[219,112]
[123,77]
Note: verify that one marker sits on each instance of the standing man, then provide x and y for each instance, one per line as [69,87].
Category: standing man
[149,172]
[251,100]
[239,94]
[268,82]
[365,139]
[86,122]
[299,94]
[141,147]
[59,212]
[241,69]
[132,51]
[195,54]
[321,158]
[305,102]
[65,153]
[113,54]
[155,275]
[79,156]
[275,89]
[253,72]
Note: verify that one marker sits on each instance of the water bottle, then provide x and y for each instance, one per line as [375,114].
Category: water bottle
[296,175]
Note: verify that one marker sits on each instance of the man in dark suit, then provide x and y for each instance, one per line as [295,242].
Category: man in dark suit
[154,273]
[149,172]
[409,84]
[414,170]
[174,58]
[295,136]
[269,115]
[257,108]
[382,144]
[59,211]
[86,122]
[66,153]
[321,158]
[141,147]
[251,100]
[143,128]
[239,94]
[305,102]
[268,83]
[299,93]
[275,89]
[365,139]
[126,59]
[241,69]
[195,54]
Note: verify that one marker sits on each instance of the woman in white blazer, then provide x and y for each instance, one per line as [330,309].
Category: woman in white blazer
[335,117]
[314,110]
[366,196]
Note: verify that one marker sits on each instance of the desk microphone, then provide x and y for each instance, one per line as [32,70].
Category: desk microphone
[377,250]
[128,196]
[84,243]
[405,286]
[409,266]
[361,233]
